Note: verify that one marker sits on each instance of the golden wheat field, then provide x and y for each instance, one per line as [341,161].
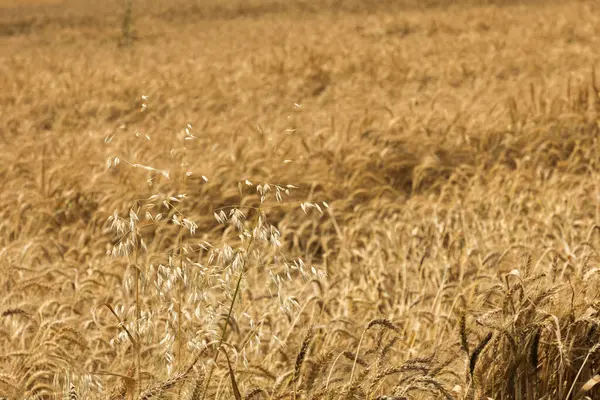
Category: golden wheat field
[299,199]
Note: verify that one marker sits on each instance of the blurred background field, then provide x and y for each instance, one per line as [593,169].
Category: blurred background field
[455,145]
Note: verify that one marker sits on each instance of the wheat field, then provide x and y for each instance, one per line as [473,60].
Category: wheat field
[299,199]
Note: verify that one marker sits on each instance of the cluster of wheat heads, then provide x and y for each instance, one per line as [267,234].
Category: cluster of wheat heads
[472,286]
[452,232]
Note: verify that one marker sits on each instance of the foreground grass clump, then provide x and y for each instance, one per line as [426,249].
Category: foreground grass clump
[387,201]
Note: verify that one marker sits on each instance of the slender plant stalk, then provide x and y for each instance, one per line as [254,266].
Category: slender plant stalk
[235,295]
[180,302]
[181,285]
[137,323]
[590,352]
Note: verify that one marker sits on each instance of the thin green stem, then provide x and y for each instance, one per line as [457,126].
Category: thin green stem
[235,295]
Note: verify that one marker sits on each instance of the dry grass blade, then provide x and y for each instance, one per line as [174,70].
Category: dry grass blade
[236,390]
[591,382]
[589,385]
